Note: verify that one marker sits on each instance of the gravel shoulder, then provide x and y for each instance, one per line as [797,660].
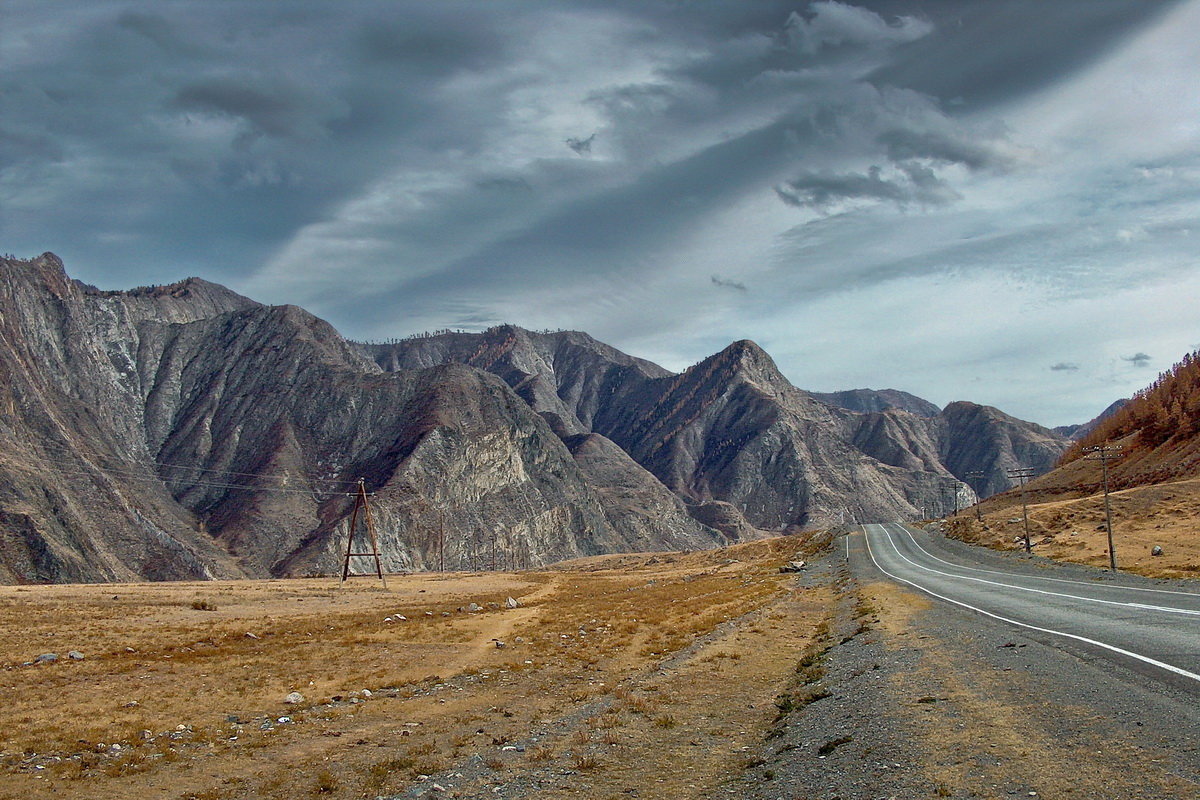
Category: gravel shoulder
[928,700]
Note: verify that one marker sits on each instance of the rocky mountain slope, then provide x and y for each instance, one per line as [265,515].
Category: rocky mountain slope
[733,429]
[187,432]
[184,431]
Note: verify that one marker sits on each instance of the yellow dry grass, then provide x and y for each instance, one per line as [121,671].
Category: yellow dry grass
[1164,514]
[189,679]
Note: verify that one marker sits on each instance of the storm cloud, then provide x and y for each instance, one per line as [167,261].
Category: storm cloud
[928,194]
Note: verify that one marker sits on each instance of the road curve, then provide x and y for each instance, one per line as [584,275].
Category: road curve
[1154,631]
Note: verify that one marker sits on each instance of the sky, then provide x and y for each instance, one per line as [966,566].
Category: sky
[977,200]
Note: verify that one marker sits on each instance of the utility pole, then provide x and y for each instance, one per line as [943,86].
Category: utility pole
[1105,453]
[1024,474]
[493,551]
[441,539]
[363,506]
[978,499]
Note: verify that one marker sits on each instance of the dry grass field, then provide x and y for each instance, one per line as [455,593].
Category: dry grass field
[1164,514]
[641,673]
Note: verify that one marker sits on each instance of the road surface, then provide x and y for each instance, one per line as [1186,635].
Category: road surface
[1154,631]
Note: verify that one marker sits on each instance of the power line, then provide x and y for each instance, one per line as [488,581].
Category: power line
[1024,474]
[75,468]
[153,463]
[1105,453]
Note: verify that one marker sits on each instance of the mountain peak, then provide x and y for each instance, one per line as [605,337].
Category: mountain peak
[744,357]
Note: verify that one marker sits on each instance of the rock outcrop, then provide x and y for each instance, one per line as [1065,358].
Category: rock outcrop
[733,430]
[187,432]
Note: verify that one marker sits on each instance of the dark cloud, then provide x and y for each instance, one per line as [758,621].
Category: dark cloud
[954,147]
[727,283]
[1138,359]
[159,30]
[1065,366]
[388,164]
[830,24]
[582,147]
[911,184]
[278,109]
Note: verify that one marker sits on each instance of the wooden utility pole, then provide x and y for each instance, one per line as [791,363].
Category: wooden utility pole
[441,539]
[1024,474]
[1105,453]
[978,499]
[362,506]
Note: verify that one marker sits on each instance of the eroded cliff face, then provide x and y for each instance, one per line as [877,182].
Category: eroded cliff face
[732,430]
[187,432]
[184,431]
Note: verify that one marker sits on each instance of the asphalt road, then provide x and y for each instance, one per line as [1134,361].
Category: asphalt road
[1152,629]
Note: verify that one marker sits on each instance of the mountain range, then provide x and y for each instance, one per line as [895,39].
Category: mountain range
[185,431]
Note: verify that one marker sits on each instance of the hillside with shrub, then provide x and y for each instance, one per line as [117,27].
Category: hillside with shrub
[1158,430]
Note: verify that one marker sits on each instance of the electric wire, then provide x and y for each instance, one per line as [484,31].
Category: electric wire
[129,472]
[153,463]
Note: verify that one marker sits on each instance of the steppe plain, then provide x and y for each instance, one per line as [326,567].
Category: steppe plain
[650,674]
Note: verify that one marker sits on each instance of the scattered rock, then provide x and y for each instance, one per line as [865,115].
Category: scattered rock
[250,635]
[284,720]
[793,566]
[293,698]
[474,607]
[1156,550]
[400,618]
[75,655]
[1014,521]
[512,603]
[499,644]
[46,658]
[366,693]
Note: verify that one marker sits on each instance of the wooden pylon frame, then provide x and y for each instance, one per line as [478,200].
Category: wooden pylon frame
[362,505]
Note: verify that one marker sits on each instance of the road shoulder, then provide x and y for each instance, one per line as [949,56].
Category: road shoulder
[919,699]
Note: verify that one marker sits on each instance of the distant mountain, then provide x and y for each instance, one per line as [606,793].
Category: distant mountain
[733,429]
[866,400]
[185,431]
[1077,432]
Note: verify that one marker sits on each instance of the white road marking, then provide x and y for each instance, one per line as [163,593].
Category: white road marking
[1113,648]
[1055,580]
[1167,609]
